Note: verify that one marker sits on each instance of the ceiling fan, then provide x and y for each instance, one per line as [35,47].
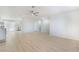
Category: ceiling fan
[33,12]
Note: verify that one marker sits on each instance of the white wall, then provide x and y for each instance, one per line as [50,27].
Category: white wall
[41,25]
[37,26]
[65,25]
[28,25]
[44,25]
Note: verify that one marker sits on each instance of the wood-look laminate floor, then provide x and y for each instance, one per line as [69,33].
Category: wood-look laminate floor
[37,42]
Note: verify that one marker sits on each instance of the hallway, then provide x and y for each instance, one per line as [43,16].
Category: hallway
[37,42]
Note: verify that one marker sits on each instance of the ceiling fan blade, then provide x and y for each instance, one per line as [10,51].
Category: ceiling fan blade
[37,12]
[31,11]
[33,6]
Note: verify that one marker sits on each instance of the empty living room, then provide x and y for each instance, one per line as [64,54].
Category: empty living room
[39,29]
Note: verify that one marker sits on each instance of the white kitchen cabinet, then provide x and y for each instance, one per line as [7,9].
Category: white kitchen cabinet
[2,34]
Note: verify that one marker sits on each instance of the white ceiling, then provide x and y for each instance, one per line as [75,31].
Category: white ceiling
[56,9]
[20,11]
